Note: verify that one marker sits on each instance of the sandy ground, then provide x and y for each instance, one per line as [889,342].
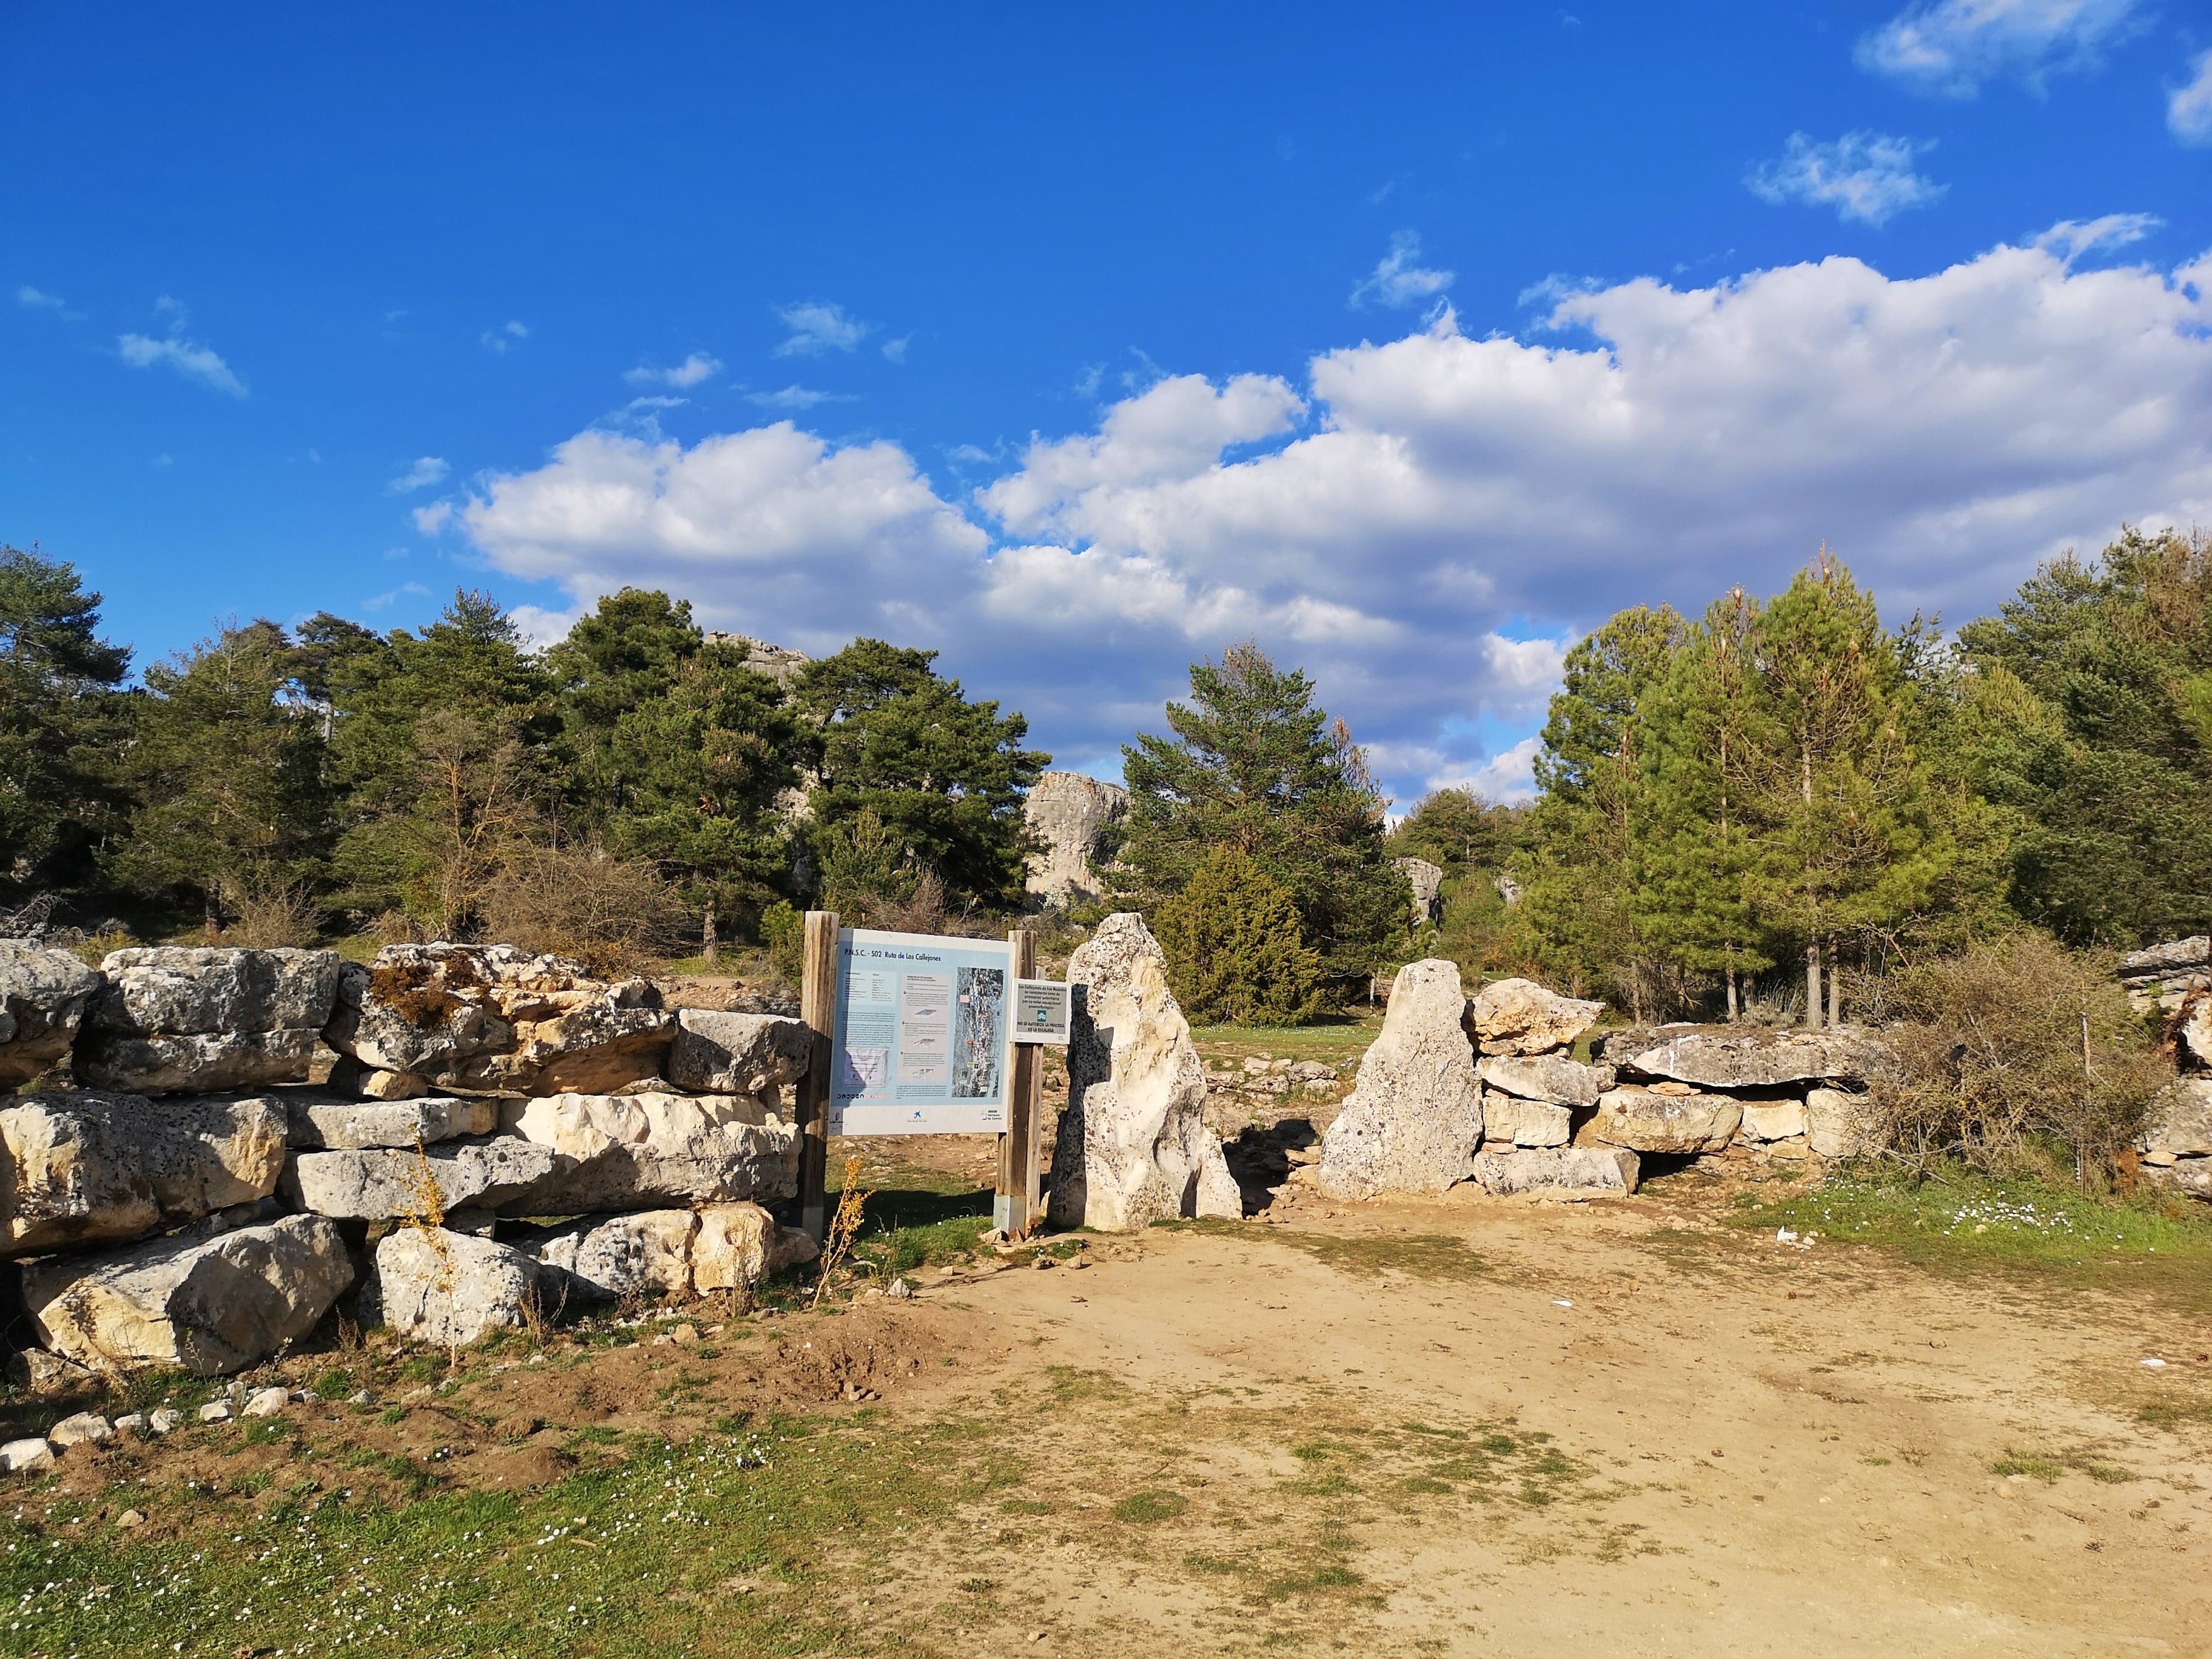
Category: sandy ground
[1781,1450]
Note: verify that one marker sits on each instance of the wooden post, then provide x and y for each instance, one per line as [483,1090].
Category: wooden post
[1014,1205]
[818,1007]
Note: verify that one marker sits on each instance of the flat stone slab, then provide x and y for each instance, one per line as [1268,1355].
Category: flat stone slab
[1646,1122]
[648,1151]
[729,1053]
[384,1184]
[1554,1078]
[1510,1121]
[320,1123]
[1559,1169]
[1745,1056]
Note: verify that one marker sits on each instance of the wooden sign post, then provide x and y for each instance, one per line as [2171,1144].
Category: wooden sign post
[818,1007]
[1014,1207]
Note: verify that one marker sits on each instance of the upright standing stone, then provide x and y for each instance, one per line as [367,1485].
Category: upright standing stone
[1414,1117]
[1133,1147]
[1428,884]
[43,996]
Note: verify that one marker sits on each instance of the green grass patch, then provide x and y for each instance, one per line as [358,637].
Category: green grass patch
[1142,1509]
[2048,1466]
[1334,1039]
[1418,1256]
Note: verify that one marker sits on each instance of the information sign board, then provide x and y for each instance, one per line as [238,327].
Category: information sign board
[920,1043]
[1041,1011]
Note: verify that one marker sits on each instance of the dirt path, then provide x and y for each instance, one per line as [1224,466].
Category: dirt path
[1252,1435]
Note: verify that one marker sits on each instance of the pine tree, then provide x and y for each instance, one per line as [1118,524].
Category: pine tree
[1254,765]
[1235,954]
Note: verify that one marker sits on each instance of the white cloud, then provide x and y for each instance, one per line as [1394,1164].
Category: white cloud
[1424,523]
[503,338]
[694,369]
[194,361]
[1949,48]
[39,299]
[432,518]
[383,601]
[2072,239]
[1397,280]
[420,475]
[1866,176]
[2189,107]
[817,326]
[796,397]
[1507,776]
[895,350]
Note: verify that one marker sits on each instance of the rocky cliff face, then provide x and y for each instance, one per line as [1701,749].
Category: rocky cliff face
[1067,811]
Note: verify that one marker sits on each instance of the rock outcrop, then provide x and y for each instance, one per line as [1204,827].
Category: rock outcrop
[383,1184]
[1067,812]
[646,1150]
[1415,1114]
[494,1018]
[2162,976]
[43,997]
[1520,1017]
[212,1299]
[1427,881]
[1133,1147]
[1747,1056]
[725,1053]
[187,1018]
[449,1288]
[83,1168]
[1645,1122]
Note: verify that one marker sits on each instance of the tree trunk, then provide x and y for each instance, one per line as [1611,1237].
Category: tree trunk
[707,943]
[1731,994]
[1835,987]
[1812,985]
[211,912]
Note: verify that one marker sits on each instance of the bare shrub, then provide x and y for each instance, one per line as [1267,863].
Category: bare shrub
[613,915]
[1995,1068]
[268,916]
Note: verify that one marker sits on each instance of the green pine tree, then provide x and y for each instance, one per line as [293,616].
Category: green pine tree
[1235,951]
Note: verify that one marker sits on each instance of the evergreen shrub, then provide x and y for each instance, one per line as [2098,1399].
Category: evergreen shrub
[1235,954]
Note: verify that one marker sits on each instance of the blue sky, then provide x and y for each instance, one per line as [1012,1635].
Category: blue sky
[1412,340]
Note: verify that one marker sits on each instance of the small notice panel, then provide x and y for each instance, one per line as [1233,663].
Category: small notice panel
[1041,1011]
[919,1044]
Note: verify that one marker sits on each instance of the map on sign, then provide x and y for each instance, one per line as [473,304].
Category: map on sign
[920,1036]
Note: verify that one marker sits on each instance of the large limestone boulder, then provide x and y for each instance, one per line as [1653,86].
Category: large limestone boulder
[43,997]
[1554,1078]
[1520,1017]
[319,1122]
[647,1255]
[1510,1121]
[2180,1122]
[212,1299]
[645,1150]
[1747,1056]
[724,1053]
[1838,1123]
[1644,1121]
[2161,976]
[449,1288]
[2189,1177]
[1414,1115]
[80,1169]
[1066,813]
[738,1245]
[1582,1169]
[1427,881]
[1133,1147]
[492,1018]
[178,1018]
[384,1184]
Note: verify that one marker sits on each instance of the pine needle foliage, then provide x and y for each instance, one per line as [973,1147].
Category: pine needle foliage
[1234,950]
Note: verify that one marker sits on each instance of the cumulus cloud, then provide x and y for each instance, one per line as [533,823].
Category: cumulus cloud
[796,397]
[1866,176]
[817,326]
[694,369]
[193,361]
[2075,239]
[420,475]
[434,517]
[1424,523]
[2189,106]
[1949,48]
[1398,279]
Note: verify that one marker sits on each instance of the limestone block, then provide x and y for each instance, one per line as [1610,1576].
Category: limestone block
[212,1299]
[382,1184]
[719,1054]
[177,1019]
[1836,1123]
[740,1244]
[34,1455]
[43,997]
[1066,813]
[645,1255]
[84,1429]
[320,1123]
[1647,1123]
[1554,1078]
[492,1018]
[1520,1017]
[450,1290]
[1132,1146]
[1747,1056]
[1414,1115]
[1773,1119]
[1509,1120]
[1561,1168]
[2191,1177]
[2180,1122]
[83,1168]
[645,1150]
